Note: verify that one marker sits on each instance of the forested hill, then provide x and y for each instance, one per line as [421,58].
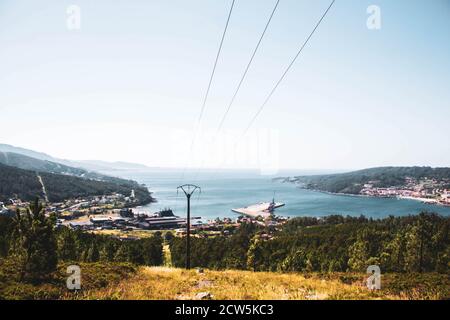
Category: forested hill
[25,185]
[382,177]
[28,163]
[34,164]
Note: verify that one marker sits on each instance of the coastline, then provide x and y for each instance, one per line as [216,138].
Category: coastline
[221,196]
[422,200]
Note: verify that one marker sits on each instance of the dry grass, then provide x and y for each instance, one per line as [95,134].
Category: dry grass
[165,283]
[167,256]
[119,233]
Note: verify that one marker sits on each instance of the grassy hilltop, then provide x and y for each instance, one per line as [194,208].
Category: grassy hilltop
[172,283]
[124,281]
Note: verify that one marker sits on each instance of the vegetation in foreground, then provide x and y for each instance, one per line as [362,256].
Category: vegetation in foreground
[125,281]
[94,275]
[408,244]
[34,255]
[170,283]
[309,258]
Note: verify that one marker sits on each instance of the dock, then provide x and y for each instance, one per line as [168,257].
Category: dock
[263,209]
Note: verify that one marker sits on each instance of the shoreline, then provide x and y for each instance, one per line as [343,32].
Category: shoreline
[217,207]
[422,200]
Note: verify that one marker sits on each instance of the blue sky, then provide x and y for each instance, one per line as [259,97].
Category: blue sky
[129,84]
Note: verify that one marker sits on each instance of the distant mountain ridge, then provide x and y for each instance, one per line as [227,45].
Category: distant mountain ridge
[90,165]
[98,165]
[29,163]
[26,152]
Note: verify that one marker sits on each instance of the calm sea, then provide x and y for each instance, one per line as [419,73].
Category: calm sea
[234,189]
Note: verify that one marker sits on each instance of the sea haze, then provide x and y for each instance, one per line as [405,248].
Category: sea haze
[233,189]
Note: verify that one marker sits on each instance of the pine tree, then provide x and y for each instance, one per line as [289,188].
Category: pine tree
[412,252]
[442,248]
[253,253]
[93,254]
[394,256]
[358,255]
[107,252]
[67,247]
[122,254]
[295,261]
[37,240]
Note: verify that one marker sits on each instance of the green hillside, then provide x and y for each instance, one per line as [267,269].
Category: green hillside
[19,183]
[28,163]
[24,184]
[34,164]
[353,182]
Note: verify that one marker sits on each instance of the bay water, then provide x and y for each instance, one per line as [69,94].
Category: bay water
[220,192]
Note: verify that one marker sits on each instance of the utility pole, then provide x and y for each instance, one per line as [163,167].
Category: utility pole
[188,190]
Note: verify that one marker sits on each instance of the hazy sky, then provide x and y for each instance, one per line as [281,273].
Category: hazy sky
[129,84]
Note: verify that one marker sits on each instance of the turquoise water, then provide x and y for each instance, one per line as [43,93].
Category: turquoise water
[223,191]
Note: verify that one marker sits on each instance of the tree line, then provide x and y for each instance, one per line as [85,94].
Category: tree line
[32,241]
[417,243]
[24,184]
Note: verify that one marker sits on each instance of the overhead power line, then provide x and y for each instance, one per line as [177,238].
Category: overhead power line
[287,70]
[247,68]
[241,81]
[281,78]
[205,99]
[215,63]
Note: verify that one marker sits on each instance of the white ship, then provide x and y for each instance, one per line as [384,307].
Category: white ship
[263,209]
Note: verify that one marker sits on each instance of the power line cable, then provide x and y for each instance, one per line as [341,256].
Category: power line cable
[241,81]
[287,70]
[205,99]
[215,63]
[281,78]
[248,67]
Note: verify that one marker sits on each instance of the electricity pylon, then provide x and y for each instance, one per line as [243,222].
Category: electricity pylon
[188,190]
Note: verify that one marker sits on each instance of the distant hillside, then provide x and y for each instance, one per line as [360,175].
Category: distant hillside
[24,184]
[90,165]
[17,182]
[353,182]
[26,152]
[28,163]
[97,165]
